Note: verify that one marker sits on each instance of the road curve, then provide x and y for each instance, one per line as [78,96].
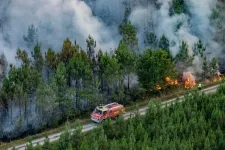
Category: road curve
[90,126]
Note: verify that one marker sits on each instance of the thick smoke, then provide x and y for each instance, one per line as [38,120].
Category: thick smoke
[200,23]
[190,27]
[109,11]
[55,20]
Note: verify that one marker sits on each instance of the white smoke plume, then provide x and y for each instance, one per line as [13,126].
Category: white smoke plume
[194,25]
[58,19]
[55,20]
[109,11]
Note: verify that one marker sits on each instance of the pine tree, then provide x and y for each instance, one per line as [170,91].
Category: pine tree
[151,40]
[47,145]
[164,43]
[140,131]
[84,145]
[153,68]
[69,147]
[103,140]
[183,59]
[128,32]
[123,144]
[199,49]
[38,58]
[145,142]
[127,60]
[95,145]
[29,146]
[32,36]
[178,6]
[114,145]
[64,140]
[77,135]
[132,142]
[207,144]
[205,68]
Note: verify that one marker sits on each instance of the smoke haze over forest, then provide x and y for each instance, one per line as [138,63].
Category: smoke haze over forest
[55,20]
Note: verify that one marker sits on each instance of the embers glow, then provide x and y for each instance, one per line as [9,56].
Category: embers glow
[189,80]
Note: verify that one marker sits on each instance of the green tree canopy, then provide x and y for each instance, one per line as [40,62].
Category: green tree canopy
[128,32]
[38,58]
[178,6]
[164,43]
[154,67]
[183,58]
[110,68]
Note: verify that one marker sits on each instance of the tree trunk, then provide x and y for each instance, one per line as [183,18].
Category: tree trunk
[48,74]
[30,104]
[25,111]
[102,83]
[42,117]
[128,82]
[11,110]
[77,93]
[1,124]
[108,92]
[69,79]
[20,106]
[224,36]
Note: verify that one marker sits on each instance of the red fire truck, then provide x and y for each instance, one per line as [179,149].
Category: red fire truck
[111,110]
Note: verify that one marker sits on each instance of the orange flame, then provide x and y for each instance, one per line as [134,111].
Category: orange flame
[176,82]
[189,80]
[158,87]
[171,82]
[219,75]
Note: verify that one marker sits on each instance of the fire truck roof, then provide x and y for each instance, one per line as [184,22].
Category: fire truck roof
[102,108]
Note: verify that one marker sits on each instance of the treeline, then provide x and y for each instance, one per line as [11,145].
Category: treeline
[67,83]
[62,85]
[196,123]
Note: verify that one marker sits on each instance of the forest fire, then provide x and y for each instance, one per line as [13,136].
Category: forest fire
[189,80]
[168,82]
[171,82]
[219,76]
[158,87]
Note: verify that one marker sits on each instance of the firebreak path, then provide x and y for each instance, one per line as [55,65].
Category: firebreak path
[90,126]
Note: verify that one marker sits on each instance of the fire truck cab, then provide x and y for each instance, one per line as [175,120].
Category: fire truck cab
[111,110]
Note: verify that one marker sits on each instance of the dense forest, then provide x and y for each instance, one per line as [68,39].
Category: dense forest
[64,85]
[196,123]
[44,88]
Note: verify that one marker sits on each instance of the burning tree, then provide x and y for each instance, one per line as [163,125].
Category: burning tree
[168,82]
[171,81]
[189,80]
[154,67]
[219,77]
